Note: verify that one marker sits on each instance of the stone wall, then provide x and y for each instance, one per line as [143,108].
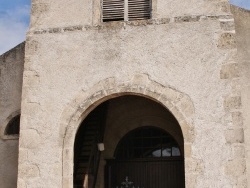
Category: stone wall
[242,20]
[186,62]
[64,63]
[11,72]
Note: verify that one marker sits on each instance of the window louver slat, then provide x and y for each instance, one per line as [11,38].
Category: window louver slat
[114,5]
[135,11]
[113,10]
[141,7]
[138,5]
[139,2]
[146,9]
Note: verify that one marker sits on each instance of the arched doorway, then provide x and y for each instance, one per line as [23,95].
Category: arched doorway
[112,123]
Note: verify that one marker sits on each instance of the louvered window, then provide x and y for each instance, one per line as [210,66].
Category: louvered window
[127,10]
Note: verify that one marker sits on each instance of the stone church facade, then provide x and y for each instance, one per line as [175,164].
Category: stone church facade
[180,71]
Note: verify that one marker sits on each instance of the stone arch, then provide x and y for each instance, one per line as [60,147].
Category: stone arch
[179,104]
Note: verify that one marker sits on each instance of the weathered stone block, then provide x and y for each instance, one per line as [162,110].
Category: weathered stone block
[21,183]
[178,114]
[229,71]
[234,136]
[242,182]
[172,95]
[188,132]
[67,182]
[56,169]
[30,139]
[166,101]
[140,79]
[98,95]
[22,156]
[186,106]
[124,87]
[28,171]
[152,93]
[84,105]
[68,168]
[237,119]
[227,24]
[38,8]
[108,83]
[190,180]
[154,89]
[227,41]
[68,154]
[231,103]
[195,166]
[188,150]
[235,167]
[236,86]
[33,46]
[239,151]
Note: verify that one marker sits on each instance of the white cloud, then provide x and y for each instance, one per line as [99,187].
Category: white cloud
[13,27]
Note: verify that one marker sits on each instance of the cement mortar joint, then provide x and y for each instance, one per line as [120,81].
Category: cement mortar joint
[123,25]
[97,94]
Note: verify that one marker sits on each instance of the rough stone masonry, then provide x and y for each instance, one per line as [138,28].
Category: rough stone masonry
[192,58]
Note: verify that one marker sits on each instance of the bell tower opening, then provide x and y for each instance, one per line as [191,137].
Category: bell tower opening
[129,140]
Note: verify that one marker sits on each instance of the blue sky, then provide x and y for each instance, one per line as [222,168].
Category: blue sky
[14,21]
[241,3]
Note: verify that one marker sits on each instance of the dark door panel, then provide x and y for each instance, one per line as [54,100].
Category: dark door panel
[146,174]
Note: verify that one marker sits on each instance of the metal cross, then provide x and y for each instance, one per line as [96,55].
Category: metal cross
[127,183]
